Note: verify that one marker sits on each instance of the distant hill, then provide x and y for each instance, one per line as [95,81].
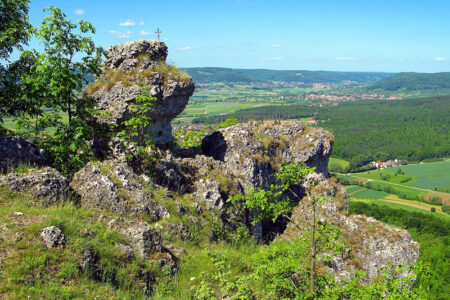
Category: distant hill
[408,82]
[208,75]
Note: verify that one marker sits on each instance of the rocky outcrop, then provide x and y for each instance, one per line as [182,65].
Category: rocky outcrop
[255,150]
[15,151]
[135,63]
[53,237]
[373,244]
[46,184]
[142,54]
[113,186]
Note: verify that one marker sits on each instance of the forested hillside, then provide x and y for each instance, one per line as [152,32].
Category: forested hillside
[406,82]
[414,129]
[208,75]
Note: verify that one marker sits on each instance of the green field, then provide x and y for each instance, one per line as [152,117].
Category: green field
[429,175]
[370,194]
[424,175]
[352,188]
[399,206]
[338,165]
[212,109]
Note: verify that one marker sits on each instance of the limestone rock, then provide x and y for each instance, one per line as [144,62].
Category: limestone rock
[53,237]
[113,186]
[177,229]
[172,92]
[15,151]
[145,240]
[127,252]
[125,56]
[254,150]
[376,245]
[47,184]
[168,174]
[208,192]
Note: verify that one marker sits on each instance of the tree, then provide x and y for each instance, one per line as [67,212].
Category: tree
[50,84]
[59,72]
[15,31]
[273,203]
[14,26]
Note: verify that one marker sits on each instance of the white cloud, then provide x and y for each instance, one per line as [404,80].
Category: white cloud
[440,58]
[141,23]
[79,12]
[275,45]
[121,35]
[128,23]
[145,32]
[184,48]
[343,58]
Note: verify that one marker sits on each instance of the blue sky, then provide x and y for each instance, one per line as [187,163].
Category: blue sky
[344,35]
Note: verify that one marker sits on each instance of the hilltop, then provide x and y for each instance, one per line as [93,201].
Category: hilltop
[210,74]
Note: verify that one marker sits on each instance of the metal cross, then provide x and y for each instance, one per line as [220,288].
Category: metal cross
[158,32]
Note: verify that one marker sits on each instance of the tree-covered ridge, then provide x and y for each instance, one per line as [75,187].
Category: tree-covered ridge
[208,75]
[413,130]
[406,82]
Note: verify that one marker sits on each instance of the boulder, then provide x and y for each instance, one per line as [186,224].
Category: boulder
[53,237]
[135,61]
[47,184]
[375,245]
[15,151]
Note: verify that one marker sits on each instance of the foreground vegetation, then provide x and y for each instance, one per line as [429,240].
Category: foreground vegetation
[432,234]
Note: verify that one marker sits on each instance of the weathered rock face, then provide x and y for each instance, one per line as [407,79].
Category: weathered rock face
[145,240]
[125,56]
[373,244]
[172,92]
[254,150]
[113,186]
[15,151]
[47,184]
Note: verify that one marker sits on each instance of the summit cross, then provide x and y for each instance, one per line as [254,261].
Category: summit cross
[158,32]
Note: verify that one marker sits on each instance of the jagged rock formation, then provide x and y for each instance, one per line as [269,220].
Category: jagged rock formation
[46,184]
[134,64]
[125,57]
[373,244]
[15,151]
[113,186]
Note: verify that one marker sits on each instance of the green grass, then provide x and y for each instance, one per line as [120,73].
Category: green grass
[389,175]
[426,175]
[409,192]
[342,164]
[429,175]
[370,194]
[352,188]
[212,109]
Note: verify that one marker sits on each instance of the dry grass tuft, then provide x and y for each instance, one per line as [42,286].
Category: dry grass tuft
[110,77]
